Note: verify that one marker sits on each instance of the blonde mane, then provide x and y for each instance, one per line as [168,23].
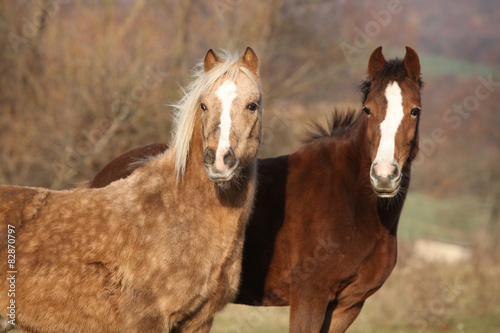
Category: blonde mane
[185,109]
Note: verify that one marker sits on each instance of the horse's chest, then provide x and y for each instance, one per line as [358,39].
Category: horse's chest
[215,264]
[378,264]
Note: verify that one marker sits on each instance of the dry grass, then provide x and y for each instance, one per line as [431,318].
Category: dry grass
[417,297]
[432,296]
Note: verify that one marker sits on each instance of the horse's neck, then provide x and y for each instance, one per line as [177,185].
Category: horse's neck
[360,146]
[160,173]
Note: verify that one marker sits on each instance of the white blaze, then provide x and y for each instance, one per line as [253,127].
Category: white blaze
[226,93]
[390,125]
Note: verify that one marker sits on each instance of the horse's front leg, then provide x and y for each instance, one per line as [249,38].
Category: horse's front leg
[339,318]
[307,309]
[200,321]
[195,324]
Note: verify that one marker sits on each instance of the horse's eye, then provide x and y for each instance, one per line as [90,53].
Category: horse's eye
[366,110]
[203,107]
[415,112]
[252,106]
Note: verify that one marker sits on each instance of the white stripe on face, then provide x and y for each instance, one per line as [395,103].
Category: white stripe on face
[226,94]
[390,125]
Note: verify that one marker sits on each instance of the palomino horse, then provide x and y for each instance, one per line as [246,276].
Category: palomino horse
[158,251]
[322,237]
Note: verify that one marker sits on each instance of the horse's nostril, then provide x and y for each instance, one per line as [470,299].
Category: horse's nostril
[395,172]
[229,158]
[209,156]
[373,173]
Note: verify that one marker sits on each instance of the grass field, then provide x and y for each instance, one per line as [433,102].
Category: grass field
[449,219]
[239,318]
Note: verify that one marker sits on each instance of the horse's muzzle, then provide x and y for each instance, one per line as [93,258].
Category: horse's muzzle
[220,166]
[385,178]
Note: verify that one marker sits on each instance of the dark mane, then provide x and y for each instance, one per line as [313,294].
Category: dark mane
[394,70]
[339,121]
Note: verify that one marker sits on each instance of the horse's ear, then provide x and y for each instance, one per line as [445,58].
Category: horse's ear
[376,62]
[210,60]
[250,60]
[411,63]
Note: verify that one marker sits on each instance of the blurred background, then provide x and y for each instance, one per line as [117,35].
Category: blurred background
[83,81]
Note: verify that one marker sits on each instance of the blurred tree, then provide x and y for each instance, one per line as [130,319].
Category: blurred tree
[88,62]
[181,24]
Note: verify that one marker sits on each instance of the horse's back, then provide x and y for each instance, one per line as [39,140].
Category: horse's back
[123,165]
[18,204]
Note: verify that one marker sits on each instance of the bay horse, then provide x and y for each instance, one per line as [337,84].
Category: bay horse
[157,251]
[322,237]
